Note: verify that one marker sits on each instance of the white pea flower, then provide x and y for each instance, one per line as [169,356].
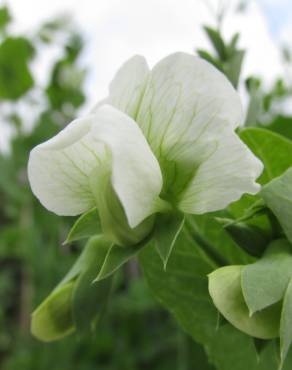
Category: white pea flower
[162,140]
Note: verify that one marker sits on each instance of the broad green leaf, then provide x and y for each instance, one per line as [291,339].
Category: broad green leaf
[86,226]
[166,231]
[278,197]
[286,324]
[272,149]
[52,320]
[265,281]
[275,153]
[225,290]
[282,125]
[183,290]
[116,257]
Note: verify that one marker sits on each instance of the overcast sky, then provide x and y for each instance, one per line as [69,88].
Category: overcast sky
[115,30]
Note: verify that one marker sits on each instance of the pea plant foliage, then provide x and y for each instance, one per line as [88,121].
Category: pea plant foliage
[161,170]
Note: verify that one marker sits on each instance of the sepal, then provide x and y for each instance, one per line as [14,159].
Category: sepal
[166,231]
[86,226]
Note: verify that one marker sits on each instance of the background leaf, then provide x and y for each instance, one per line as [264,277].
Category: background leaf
[15,75]
[278,197]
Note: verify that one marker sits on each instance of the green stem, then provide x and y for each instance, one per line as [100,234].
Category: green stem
[206,246]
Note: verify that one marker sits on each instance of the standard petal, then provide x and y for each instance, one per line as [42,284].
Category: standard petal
[188,113]
[228,173]
[128,86]
[135,172]
[58,169]
[184,97]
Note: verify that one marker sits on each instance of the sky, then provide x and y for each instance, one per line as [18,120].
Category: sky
[115,30]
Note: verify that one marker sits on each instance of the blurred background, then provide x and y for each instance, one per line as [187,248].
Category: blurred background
[56,61]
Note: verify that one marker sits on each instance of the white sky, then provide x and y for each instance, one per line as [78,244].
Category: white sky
[117,29]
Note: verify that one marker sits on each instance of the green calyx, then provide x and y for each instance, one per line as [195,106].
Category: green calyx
[113,219]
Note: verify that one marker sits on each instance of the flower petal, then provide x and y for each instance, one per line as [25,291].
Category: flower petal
[58,169]
[188,113]
[127,88]
[228,173]
[136,175]
[185,96]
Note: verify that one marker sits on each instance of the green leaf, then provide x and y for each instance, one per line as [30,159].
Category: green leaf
[52,320]
[250,238]
[233,67]
[217,42]
[210,232]
[233,43]
[282,125]
[5,17]
[209,58]
[116,257]
[278,197]
[86,226]
[265,281]
[15,76]
[225,290]
[272,149]
[183,290]
[286,324]
[166,231]
[275,153]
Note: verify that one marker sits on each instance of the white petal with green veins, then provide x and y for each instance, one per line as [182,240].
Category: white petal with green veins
[229,172]
[188,111]
[184,96]
[60,169]
[136,175]
[127,88]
